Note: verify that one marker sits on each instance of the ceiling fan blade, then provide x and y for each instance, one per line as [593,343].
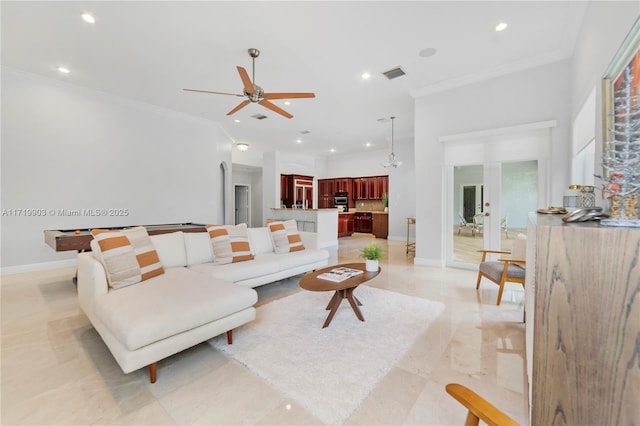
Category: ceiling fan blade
[288,95]
[265,103]
[246,81]
[215,93]
[239,107]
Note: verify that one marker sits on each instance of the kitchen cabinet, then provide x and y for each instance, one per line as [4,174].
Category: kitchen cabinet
[345,224]
[344,185]
[370,188]
[360,189]
[325,193]
[296,190]
[380,227]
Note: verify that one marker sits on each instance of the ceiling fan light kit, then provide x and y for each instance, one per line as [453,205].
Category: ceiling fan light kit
[392,157]
[255,93]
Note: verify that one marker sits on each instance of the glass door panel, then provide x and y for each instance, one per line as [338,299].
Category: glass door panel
[490,206]
[468,199]
[518,197]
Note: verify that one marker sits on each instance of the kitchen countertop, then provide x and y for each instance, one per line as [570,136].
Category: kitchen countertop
[364,211]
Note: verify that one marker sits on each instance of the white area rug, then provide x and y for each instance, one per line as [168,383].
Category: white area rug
[329,371]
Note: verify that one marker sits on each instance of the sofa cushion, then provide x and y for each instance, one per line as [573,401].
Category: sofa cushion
[229,243]
[285,236]
[300,258]
[170,249]
[198,247]
[127,255]
[261,265]
[260,240]
[169,304]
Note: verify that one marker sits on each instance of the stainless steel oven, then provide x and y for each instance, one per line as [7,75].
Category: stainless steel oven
[341,200]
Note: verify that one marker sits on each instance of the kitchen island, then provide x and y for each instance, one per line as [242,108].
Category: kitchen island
[322,221]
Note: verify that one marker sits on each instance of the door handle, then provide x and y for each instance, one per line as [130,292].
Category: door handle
[487,214]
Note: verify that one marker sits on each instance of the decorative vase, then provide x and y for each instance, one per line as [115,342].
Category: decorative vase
[371,265]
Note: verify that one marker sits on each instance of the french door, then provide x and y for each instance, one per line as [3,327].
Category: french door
[493,180]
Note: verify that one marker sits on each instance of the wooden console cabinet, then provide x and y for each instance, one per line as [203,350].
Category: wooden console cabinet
[583,312]
[380,225]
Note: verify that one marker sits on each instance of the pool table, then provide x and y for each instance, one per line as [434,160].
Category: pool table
[79,240]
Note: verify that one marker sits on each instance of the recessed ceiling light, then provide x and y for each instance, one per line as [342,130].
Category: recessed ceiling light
[332,150]
[64,70]
[287,102]
[236,120]
[501,26]
[368,144]
[366,76]
[299,140]
[429,51]
[88,18]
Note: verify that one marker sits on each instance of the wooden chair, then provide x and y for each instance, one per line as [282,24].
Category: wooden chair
[479,408]
[505,269]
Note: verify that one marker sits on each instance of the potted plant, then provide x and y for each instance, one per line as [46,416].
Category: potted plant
[372,252]
[385,201]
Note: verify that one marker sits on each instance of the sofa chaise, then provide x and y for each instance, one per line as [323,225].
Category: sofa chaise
[193,299]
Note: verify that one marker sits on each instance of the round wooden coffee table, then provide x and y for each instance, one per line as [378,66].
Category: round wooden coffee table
[343,290]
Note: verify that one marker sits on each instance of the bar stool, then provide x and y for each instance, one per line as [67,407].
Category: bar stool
[411,247]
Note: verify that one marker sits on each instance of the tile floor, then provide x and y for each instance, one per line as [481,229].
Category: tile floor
[55,370]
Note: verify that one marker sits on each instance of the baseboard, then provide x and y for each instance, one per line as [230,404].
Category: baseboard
[436,263]
[35,267]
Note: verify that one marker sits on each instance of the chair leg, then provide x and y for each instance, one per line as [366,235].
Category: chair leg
[230,337]
[479,278]
[501,284]
[153,372]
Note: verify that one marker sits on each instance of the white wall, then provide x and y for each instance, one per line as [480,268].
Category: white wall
[68,147]
[533,95]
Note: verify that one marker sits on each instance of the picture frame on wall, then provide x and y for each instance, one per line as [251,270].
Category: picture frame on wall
[627,54]
[621,134]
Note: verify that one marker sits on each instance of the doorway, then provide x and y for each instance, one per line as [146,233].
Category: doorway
[243,204]
[493,180]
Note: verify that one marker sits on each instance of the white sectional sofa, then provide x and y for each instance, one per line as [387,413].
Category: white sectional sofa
[192,301]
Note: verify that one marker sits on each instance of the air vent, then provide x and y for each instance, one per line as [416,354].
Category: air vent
[304,132]
[394,73]
[259,116]
[382,120]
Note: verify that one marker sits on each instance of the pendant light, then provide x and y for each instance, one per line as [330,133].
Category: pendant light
[392,157]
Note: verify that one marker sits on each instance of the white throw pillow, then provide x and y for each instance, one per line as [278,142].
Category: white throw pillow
[170,249]
[519,250]
[260,240]
[198,246]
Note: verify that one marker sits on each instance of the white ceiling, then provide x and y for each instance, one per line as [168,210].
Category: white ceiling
[151,50]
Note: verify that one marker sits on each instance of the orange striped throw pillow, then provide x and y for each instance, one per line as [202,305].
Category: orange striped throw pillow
[285,236]
[128,256]
[229,243]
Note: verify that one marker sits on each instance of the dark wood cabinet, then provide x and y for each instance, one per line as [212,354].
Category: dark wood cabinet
[296,189]
[380,225]
[326,191]
[360,189]
[370,188]
[345,224]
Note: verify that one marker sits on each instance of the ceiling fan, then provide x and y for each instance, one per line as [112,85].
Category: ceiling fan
[255,93]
